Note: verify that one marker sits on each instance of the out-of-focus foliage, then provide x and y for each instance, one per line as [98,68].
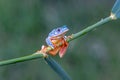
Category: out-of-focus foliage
[24,25]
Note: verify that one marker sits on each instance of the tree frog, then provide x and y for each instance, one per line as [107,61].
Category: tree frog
[55,37]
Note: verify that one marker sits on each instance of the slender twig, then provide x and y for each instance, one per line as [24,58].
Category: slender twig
[21,59]
[116,10]
[57,68]
[89,28]
[73,36]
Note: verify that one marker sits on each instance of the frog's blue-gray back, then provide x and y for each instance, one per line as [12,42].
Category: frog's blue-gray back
[58,31]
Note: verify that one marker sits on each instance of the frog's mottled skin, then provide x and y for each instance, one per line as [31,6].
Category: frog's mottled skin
[55,37]
[56,34]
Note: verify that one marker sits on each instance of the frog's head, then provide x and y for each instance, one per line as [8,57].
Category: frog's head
[58,31]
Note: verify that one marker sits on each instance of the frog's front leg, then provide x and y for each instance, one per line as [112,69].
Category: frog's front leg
[49,42]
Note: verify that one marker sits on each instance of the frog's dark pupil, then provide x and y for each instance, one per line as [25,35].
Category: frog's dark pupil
[58,30]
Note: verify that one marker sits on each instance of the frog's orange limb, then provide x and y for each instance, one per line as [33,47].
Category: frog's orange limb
[43,49]
[56,47]
[63,49]
[54,51]
[51,52]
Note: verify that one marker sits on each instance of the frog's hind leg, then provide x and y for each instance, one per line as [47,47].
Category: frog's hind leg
[54,51]
[63,49]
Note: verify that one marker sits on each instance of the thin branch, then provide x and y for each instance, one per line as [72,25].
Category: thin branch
[21,59]
[90,28]
[74,36]
[57,68]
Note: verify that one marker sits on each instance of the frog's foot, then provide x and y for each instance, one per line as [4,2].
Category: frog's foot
[51,47]
[42,51]
[54,51]
[63,49]
[69,37]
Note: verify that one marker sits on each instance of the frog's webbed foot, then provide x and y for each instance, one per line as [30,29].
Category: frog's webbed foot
[63,49]
[68,37]
[42,51]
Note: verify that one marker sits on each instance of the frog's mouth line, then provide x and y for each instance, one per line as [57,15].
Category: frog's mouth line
[61,35]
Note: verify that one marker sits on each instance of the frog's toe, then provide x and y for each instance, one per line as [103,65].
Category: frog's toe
[51,46]
[62,51]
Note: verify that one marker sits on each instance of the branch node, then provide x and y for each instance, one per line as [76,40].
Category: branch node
[113,17]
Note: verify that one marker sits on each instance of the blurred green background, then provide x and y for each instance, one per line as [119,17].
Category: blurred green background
[24,25]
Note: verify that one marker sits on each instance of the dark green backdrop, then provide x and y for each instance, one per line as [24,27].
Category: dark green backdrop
[24,25]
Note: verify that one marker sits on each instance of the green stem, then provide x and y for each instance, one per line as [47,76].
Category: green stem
[21,59]
[57,68]
[89,28]
[74,36]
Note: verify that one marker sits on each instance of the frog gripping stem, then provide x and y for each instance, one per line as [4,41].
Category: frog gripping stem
[57,41]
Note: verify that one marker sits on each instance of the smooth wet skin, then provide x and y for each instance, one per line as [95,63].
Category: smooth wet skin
[55,37]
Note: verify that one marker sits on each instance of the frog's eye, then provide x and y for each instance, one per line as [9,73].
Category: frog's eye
[58,30]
